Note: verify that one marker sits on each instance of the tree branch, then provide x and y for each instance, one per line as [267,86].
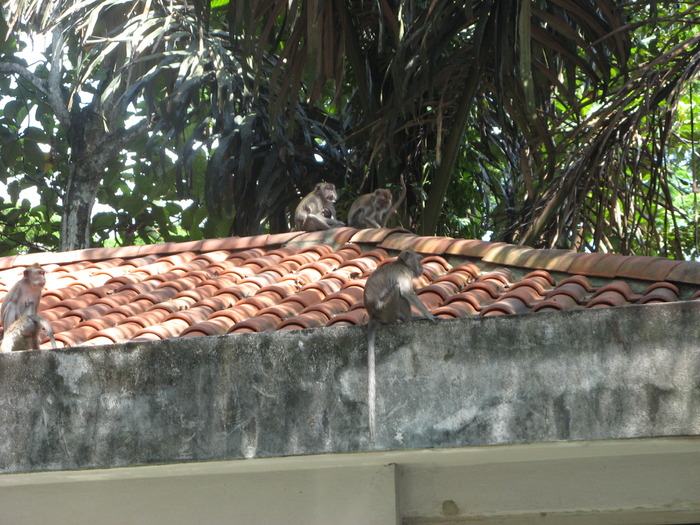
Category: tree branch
[12,68]
[51,87]
[54,92]
[117,141]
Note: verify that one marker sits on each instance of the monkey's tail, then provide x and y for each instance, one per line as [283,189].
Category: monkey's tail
[371,379]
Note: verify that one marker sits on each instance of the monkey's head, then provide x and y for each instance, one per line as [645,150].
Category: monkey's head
[381,199]
[411,260]
[35,275]
[326,190]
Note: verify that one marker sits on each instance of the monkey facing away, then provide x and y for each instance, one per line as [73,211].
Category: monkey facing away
[24,296]
[372,210]
[23,334]
[316,211]
[388,297]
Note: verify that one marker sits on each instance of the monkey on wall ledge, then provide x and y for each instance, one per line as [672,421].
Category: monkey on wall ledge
[24,296]
[316,211]
[23,334]
[373,210]
[388,297]
[20,321]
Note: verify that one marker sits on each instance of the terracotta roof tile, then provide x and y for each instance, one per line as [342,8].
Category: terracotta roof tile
[301,280]
[260,323]
[399,241]
[431,298]
[115,334]
[168,329]
[615,294]
[458,279]
[579,280]
[357,316]
[313,293]
[584,263]
[663,292]
[608,266]
[213,326]
[621,287]
[297,323]
[455,310]
[470,248]
[509,254]
[537,284]
[553,260]
[351,293]
[503,276]
[682,272]
[306,319]
[100,323]
[432,244]
[530,295]
[472,299]
[133,307]
[574,290]
[492,287]
[506,306]
[543,277]
[559,301]
[336,236]
[443,289]
[329,308]
[328,285]
[65,324]
[650,268]
[284,310]
[375,235]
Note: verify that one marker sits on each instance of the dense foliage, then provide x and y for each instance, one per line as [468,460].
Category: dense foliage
[566,123]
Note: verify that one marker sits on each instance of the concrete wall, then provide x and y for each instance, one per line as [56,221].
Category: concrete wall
[629,372]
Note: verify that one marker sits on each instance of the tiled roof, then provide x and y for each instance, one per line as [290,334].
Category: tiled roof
[301,280]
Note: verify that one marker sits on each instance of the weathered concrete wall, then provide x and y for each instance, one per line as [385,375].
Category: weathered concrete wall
[576,375]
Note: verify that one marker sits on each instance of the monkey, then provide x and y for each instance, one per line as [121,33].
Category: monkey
[368,210]
[316,211]
[23,334]
[373,210]
[24,296]
[388,296]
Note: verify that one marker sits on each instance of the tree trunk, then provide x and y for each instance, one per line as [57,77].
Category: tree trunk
[441,181]
[443,175]
[78,201]
[92,148]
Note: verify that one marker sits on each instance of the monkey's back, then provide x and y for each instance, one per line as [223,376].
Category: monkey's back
[382,294]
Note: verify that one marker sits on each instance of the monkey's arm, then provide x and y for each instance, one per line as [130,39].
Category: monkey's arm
[415,301]
[9,312]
